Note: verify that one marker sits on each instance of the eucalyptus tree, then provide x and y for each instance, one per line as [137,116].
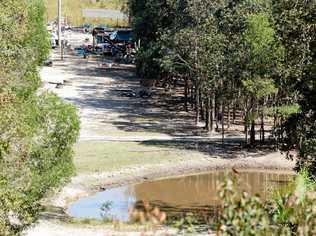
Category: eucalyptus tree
[265,53]
[296,27]
[149,20]
[231,22]
[193,52]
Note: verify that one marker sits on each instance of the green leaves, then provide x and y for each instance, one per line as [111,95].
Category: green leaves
[242,214]
[291,211]
[36,132]
[255,55]
[296,28]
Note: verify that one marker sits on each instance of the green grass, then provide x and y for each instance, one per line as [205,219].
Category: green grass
[97,156]
[110,130]
[72,10]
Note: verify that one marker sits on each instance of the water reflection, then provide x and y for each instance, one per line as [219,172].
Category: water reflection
[193,193]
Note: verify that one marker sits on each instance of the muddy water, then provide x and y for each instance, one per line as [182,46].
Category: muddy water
[194,193]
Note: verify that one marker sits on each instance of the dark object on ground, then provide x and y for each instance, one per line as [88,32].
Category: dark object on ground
[144,93]
[235,171]
[59,85]
[128,94]
[48,62]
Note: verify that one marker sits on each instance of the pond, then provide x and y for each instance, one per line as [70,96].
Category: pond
[175,196]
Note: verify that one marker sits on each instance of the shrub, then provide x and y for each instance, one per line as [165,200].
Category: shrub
[36,131]
[291,211]
[37,157]
[242,214]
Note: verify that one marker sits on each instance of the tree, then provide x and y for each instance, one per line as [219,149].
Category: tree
[265,53]
[296,27]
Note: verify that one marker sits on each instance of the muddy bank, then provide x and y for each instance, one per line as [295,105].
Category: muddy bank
[137,174]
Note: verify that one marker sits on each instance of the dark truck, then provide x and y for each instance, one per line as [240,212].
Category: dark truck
[123,43]
[122,36]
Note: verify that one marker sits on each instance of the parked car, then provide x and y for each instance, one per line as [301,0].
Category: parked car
[103,44]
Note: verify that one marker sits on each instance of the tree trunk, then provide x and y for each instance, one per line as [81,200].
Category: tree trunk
[212,111]
[208,114]
[252,132]
[197,105]
[202,110]
[216,115]
[262,128]
[192,95]
[234,111]
[222,120]
[245,115]
[186,88]
[246,133]
[228,115]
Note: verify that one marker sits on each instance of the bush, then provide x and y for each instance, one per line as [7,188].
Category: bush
[36,131]
[291,211]
[37,157]
[242,214]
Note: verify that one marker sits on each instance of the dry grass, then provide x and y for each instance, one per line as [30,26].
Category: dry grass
[72,10]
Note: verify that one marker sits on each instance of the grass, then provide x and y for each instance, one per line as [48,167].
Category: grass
[98,156]
[72,10]
[110,130]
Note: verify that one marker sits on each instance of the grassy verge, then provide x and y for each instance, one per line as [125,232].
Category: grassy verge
[97,156]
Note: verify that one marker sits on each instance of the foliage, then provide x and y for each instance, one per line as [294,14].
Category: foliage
[254,56]
[291,211]
[105,208]
[296,27]
[186,223]
[37,131]
[242,214]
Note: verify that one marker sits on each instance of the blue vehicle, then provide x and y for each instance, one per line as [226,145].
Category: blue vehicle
[122,36]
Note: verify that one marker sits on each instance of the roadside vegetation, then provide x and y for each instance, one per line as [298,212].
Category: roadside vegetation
[37,131]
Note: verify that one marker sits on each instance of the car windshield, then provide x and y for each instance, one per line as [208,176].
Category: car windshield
[101,39]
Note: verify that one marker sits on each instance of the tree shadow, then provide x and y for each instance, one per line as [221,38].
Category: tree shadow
[230,149]
[103,90]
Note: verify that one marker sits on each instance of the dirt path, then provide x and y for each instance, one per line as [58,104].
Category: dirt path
[97,88]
